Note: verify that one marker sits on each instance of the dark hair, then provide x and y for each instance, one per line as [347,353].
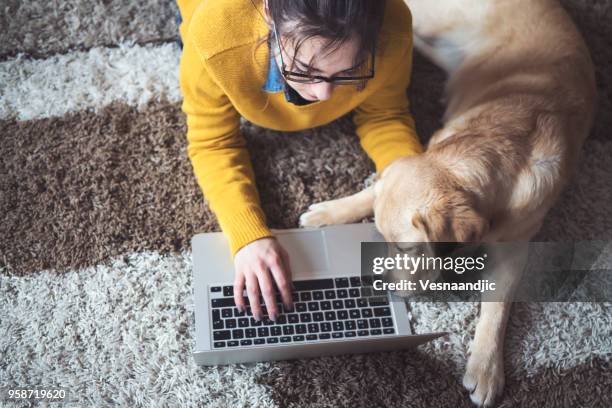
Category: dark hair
[334,20]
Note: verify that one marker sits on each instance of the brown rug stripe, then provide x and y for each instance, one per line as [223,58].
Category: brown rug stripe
[85,187]
[341,383]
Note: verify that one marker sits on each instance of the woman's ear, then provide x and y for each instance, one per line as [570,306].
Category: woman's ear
[267,12]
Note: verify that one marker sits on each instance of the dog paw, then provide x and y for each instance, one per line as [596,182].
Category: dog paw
[484,377]
[317,215]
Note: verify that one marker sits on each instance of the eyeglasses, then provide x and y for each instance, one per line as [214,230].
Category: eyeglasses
[314,79]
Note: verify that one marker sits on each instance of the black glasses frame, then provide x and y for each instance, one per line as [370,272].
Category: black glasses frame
[315,79]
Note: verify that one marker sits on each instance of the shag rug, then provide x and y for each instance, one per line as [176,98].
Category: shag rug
[99,203]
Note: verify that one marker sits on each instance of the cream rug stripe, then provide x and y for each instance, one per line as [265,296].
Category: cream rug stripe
[116,335]
[51,87]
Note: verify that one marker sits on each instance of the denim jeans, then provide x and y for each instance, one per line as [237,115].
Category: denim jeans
[178,24]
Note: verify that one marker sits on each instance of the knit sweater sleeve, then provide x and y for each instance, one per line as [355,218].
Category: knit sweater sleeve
[218,153]
[384,123]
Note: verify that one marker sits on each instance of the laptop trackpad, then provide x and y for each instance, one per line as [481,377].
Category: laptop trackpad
[307,251]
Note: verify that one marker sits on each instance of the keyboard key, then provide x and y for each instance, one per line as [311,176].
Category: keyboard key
[300,328]
[267,321]
[226,313]
[249,312]
[326,305]
[342,293]
[354,292]
[382,311]
[350,325]
[354,313]
[338,304]
[375,323]
[387,322]
[276,331]
[366,292]
[342,282]
[230,323]
[282,319]
[349,303]
[330,294]
[293,318]
[342,314]
[295,296]
[216,289]
[237,334]
[250,333]
[217,324]
[243,322]
[313,284]
[313,328]
[216,314]
[317,295]
[255,322]
[375,332]
[246,342]
[317,317]
[362,303]
[263,332]
[324,336]
[367,312]
[232,343]
[311,337]
[326,327]
[331,315]
[219,343]
[355,281]
[298,338]
[238,313]
[379,301]
[362,324]
[287,330]
[388,330]
[228,291]
[285,339]
[305,318]
[338,326]
[259,341]
[349,334]
[362,333]
[305,296]
[300,307]
[271,340]
[313,306]
[337,335]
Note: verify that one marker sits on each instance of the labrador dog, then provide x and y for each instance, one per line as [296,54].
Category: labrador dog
[520,98]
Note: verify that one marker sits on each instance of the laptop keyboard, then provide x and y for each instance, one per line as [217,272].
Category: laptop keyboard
[324,309]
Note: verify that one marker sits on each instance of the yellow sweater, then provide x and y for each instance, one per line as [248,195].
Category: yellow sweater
[221,75]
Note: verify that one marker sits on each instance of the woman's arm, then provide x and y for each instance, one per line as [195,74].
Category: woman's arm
[218,153]
[384,123]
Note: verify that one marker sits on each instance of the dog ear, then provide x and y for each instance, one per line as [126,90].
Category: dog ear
[432,223]
[467,225]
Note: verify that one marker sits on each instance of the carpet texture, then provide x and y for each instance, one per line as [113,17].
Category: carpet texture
[99,204]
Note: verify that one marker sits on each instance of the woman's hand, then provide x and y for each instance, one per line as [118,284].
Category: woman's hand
[254,263]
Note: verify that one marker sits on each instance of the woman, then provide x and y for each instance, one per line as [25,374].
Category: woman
[288,66]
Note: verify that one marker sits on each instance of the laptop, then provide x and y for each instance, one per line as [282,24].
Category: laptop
[334,309]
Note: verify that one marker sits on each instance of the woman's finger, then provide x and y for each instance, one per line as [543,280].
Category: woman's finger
[283,282]
[268,292]
[238,289]
[252,287]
